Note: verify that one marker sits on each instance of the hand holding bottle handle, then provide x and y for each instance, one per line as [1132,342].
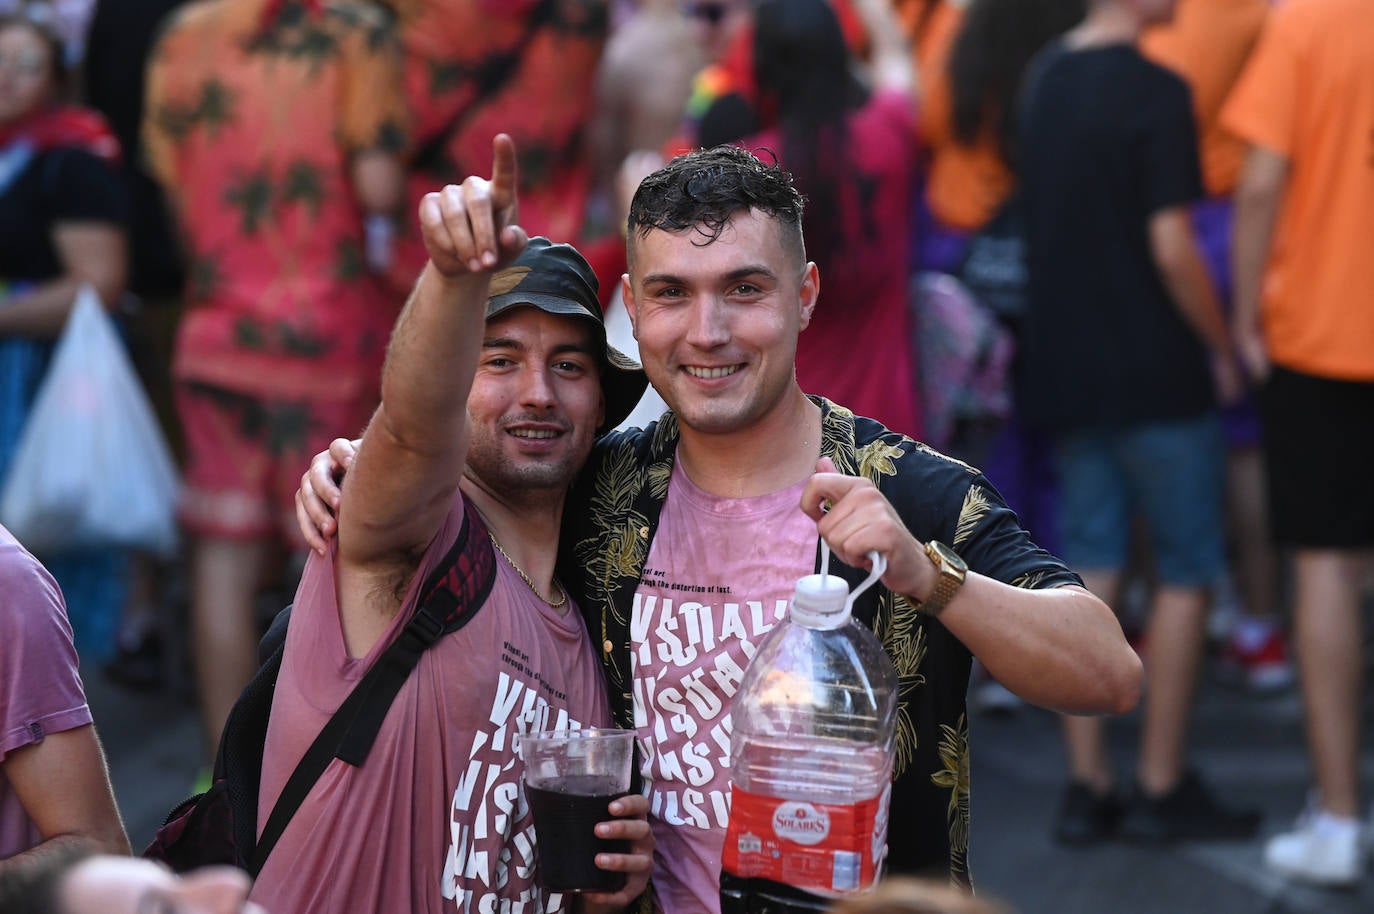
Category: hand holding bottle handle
[878,568]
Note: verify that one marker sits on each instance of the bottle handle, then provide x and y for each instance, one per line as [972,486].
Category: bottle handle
[878,561]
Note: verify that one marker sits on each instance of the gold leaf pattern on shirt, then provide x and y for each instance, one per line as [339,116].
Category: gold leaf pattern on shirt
[976,506]
[837,439]
[903,636]
[876,458]
[657,477]
[665,435]
[953,775]
[615,549]
[927,449]
[617,480]
[1030,581]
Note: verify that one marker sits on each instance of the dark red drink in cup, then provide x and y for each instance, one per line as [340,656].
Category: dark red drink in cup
[571,777]
[565,822]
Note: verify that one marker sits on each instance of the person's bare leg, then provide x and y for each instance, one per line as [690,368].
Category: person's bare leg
[1256,560]
[1328,635]
[1173,655]
[1084,737]
[224,580]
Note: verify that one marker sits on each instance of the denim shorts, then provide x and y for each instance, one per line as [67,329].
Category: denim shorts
[1172,473]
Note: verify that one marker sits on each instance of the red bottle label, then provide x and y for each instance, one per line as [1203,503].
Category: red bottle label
[815,846]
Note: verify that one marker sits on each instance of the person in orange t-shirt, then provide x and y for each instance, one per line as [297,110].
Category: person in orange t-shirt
[1207,43]
[1304,325]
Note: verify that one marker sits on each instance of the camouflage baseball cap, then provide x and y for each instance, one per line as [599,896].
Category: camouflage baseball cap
[557,279]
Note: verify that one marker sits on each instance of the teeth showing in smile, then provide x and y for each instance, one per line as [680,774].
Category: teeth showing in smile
[709,373]
[532,433]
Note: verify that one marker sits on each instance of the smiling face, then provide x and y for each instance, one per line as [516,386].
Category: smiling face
[717,323]
[121,885]
[535,403]
[27,68]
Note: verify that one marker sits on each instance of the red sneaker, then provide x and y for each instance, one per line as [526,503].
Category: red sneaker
[1256,655]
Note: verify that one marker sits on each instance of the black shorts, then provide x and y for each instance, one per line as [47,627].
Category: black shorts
[1319,444]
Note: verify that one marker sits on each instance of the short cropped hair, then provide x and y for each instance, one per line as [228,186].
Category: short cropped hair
[702,190]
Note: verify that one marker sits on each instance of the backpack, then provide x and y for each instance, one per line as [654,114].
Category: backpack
[220,826]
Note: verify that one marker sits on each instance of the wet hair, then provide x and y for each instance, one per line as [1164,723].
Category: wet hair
[57,67]
[35,888]
[702,190]
[988,60]
[802,69]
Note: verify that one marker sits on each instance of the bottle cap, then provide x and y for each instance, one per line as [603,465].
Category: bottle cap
[821,601]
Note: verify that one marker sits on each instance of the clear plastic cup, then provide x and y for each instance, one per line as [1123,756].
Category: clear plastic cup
[571,777]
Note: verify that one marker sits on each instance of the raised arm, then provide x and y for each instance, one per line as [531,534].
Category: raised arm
[411,458]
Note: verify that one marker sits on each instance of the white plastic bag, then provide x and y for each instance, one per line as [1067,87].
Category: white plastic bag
[92,468]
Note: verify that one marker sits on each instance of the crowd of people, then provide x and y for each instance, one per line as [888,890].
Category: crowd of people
[1057,304]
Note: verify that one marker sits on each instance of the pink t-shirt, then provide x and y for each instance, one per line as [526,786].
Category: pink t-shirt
[436,818]
[719,577]
[40,690]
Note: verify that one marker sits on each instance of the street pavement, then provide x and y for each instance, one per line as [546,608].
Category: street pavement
[1250,747]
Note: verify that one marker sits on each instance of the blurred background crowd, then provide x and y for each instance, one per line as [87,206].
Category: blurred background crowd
[237,179]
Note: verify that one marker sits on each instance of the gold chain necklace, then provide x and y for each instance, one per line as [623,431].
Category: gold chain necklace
[526,578]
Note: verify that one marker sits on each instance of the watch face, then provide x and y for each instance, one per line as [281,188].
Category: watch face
[949,556]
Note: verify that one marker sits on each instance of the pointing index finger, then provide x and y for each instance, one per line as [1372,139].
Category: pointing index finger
[504,171]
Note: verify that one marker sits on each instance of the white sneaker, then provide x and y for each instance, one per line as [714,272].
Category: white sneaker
[1321,849]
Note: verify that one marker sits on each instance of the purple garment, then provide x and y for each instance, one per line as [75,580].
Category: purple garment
[1020,463]
[40,690]
[935,247]
[1213,219]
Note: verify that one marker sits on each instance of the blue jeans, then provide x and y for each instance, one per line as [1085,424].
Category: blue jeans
[1173,473]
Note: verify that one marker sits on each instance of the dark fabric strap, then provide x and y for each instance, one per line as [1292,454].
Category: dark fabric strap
[450,597]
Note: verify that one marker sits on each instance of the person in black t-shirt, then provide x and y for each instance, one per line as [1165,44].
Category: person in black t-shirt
[1115,357]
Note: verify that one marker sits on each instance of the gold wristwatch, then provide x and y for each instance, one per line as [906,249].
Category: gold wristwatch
[951,570]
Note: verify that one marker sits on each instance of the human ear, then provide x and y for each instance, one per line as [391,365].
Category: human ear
[627,298]
[809,293]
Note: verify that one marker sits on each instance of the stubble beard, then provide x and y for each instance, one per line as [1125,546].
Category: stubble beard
[528,480]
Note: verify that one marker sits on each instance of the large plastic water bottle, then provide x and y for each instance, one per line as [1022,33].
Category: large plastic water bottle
[811,755]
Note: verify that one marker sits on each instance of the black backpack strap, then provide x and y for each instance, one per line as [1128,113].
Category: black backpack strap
[450,598]
[455,590]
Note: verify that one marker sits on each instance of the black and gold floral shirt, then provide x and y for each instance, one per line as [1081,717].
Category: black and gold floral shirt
[610,521]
